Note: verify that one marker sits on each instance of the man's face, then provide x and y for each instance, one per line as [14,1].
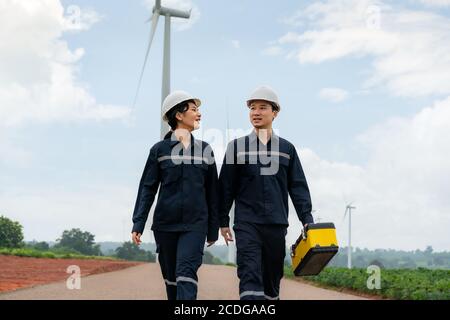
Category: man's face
[261,114]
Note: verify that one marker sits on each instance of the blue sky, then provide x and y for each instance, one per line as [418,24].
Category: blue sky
[363,85]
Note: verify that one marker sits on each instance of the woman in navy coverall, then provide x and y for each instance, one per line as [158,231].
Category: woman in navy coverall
[186,213]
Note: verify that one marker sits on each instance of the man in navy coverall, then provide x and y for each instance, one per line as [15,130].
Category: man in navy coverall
[258,173]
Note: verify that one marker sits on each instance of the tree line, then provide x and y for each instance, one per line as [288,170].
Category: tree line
[73,241]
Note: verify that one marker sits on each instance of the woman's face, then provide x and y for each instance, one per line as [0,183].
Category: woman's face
[190,119]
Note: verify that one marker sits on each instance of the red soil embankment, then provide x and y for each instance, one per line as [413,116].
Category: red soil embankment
[19,272]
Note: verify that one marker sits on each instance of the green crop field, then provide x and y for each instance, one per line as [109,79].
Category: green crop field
[404,284]
[50,254]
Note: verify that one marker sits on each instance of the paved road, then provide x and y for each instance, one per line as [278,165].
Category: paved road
[144,282]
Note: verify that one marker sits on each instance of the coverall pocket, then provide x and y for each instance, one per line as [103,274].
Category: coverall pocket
[170,172]
[199,172]
[202,166]
[284,161]
[250,170]
[245,183]
[283,166]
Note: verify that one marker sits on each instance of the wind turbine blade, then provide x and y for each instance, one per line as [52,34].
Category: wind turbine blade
[345,214]
[155,18]
[157,4]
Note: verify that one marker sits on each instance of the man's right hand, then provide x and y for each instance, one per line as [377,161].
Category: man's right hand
[136,237]
[226,234]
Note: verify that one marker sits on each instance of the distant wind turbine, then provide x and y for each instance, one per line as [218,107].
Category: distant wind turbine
[348,209]
[159,10]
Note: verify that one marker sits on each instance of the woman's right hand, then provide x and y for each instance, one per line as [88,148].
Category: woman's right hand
[226,234]
[136,237]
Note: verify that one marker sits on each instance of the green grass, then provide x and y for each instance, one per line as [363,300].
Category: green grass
[229,264]
[27,252]
[404,284]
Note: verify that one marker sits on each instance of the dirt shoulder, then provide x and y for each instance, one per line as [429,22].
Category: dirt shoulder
[21,272]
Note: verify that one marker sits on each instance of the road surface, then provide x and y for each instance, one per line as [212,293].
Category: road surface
[144,282]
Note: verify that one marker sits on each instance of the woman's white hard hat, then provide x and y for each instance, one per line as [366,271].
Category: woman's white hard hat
[175,98]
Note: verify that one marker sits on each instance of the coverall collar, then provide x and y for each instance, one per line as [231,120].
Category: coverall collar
[253,136]
[174,141]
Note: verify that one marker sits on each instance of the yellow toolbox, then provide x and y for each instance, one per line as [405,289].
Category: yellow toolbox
[315,247]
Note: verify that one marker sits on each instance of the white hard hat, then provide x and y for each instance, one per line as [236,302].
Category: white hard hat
[264,93]
[175,98]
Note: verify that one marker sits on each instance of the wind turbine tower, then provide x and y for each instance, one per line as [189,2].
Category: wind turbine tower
[349,249]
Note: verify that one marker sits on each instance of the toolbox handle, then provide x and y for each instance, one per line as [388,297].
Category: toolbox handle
[304,233]
[300,238]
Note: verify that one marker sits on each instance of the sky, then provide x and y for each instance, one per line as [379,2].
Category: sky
[364,88]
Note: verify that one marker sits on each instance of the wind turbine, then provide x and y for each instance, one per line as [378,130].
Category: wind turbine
[168,13]
[348,209]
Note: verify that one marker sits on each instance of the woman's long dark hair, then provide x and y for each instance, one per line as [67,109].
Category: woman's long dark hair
[182,107]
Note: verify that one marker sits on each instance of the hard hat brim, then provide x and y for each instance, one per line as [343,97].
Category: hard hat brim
[249,102]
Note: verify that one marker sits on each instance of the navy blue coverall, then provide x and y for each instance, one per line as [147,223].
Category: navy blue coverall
[186,212]
[259,178]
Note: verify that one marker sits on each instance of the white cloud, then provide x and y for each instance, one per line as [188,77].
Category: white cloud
[39,78]
[78,19]
[436,3]
[180,24]
[272,51]
[333,94]
[236,44]
[409,48]
[401,195]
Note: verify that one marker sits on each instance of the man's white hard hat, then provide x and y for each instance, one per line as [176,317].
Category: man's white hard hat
[264,93]
[175,98]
